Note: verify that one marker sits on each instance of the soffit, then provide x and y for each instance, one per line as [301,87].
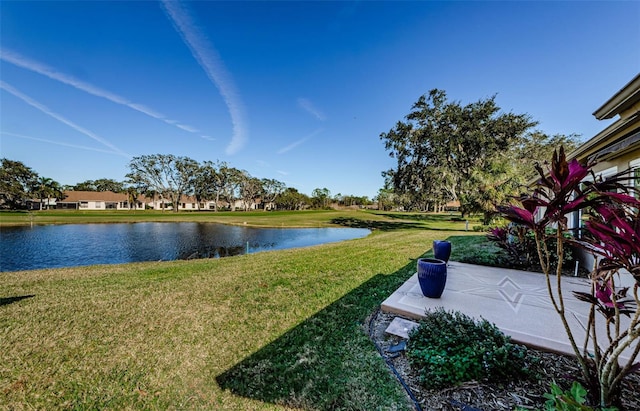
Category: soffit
[624,99]
[606,137]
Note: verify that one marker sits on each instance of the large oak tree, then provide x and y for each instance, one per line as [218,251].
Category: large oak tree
[17,183]
[443,149]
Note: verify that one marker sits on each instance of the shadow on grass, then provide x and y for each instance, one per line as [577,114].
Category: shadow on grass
[425,217]
[9,300]
[327,361]
[422,221]
[374,225]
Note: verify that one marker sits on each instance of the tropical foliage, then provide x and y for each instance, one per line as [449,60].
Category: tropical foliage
[46,188]
[612,233]
[521,250]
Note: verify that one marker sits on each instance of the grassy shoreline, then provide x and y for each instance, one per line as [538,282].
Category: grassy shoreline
[292,219]
[270,330]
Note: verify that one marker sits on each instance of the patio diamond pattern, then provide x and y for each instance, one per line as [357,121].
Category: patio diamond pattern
[516,301]
[510,291]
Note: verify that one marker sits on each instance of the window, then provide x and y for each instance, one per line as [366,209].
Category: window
[84,204]
[635,175]
[577,219]
[607,172]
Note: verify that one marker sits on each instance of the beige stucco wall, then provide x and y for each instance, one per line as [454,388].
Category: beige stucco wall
[622,163]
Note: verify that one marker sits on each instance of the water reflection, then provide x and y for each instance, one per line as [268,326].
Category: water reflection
[50,246]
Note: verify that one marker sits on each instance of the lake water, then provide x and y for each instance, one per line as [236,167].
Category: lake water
[50,246]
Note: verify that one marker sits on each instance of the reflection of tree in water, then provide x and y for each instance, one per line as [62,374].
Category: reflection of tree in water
[218,251]
[212,252]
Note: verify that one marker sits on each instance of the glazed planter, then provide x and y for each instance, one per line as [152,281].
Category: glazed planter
[432,276]
[442,250]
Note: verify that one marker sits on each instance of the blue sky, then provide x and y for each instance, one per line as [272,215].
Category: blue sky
[295,91]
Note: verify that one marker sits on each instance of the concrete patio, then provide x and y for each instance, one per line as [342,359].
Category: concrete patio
[515,301]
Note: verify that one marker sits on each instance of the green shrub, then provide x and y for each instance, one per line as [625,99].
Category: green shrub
[520,247]
[475,249]
[449,348]
[571,400]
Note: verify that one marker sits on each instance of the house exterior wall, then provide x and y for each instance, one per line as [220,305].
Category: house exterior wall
[91,200]
[616,148]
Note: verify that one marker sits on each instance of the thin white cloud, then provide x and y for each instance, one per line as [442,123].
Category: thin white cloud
[187,128]
[58,143]
[10,89]
[284,173]
[210,61]
[299,142]
[292,145]
[20,61]
[310,108]
[209,138]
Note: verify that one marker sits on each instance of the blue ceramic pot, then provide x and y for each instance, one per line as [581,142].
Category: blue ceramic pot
[442,250]
[432,276]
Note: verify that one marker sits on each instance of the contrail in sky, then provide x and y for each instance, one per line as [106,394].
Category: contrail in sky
[208,58]
[59,143]
[20,61]
[297,143]
[10,89]
[292,145]
[308,106]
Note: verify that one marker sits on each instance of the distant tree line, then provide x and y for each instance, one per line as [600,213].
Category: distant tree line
[19,183]
[474,155]
[170,177]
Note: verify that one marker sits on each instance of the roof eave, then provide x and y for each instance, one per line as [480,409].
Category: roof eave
[623,99]
[592,144]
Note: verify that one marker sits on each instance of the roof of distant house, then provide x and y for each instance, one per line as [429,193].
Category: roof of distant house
[76,196]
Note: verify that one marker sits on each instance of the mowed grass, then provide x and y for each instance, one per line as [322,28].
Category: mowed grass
[311,218]
[271,330]
[307,218]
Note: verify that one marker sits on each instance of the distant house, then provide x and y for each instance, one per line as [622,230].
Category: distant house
[38,204]
[98,200]
[108,200]
[190,203]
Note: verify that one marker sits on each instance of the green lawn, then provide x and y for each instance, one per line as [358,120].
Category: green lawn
[310,218]
[268,330]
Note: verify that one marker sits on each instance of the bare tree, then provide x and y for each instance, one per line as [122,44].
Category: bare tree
[271,189]
[250,190]
[168,175]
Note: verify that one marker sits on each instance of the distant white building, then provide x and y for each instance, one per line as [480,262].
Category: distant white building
[108,200]
[98,200]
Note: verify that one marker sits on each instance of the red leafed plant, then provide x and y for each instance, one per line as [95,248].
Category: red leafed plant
[612,233]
